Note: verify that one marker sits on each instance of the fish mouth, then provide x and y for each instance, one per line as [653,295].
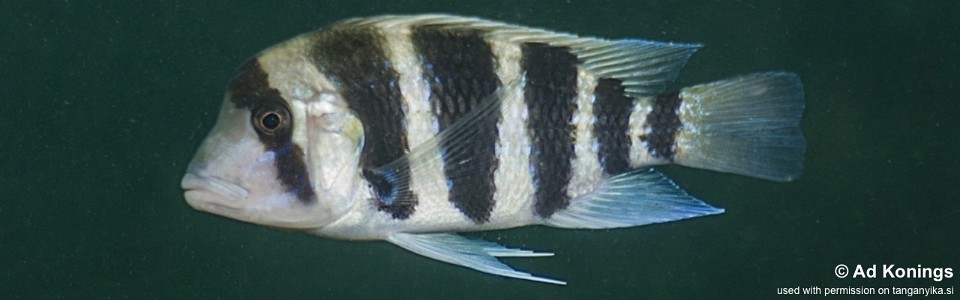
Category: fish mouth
[212,194]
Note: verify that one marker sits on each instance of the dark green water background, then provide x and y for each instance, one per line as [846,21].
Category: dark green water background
[103,103]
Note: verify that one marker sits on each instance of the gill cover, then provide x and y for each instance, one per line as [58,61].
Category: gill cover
[328,133]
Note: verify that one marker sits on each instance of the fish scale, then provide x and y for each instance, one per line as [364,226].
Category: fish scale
[461,75]
[613,119]
[550,92]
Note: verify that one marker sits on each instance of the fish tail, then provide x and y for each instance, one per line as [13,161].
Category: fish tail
[748,125]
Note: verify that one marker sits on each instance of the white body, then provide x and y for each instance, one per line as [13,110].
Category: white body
[239,172]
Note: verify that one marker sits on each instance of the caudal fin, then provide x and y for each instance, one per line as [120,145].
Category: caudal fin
[747,125]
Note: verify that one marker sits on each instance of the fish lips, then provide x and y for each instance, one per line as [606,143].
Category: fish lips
[212,194]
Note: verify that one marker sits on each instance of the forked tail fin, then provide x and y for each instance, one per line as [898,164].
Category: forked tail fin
[748,125]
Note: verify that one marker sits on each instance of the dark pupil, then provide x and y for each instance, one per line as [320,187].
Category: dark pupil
[270,121]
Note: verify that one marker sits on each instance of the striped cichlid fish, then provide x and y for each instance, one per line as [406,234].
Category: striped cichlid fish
[409,129]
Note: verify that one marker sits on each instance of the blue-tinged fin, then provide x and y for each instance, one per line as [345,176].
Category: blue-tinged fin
[748,125]
[645,67]
[636,198]
[475,254]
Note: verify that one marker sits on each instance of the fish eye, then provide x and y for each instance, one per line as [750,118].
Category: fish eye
[270,121]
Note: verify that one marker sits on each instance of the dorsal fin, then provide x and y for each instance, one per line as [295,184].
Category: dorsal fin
[643,67]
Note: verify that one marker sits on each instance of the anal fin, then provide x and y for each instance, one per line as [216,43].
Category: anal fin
[475,254]
[635,198]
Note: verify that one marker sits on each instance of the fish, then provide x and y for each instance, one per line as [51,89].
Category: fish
[414,129]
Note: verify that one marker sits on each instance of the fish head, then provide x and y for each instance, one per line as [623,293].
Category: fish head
[283,153]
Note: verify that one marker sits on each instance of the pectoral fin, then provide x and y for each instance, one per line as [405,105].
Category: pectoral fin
[475,254]
[463,151]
